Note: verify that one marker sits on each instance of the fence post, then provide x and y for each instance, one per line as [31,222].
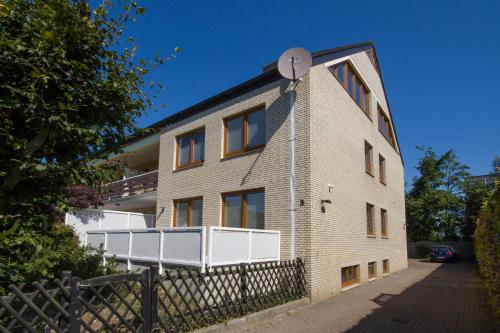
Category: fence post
[74,305]
[244,284]
[300,276]
[149,298]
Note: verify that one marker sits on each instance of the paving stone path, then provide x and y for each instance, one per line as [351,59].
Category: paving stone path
[427,297]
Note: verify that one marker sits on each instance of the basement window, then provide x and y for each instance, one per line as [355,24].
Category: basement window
[350,276]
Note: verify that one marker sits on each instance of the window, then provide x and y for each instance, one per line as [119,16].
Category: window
[188,212]
[370,225]
[243,209]
[383,223]
[352,82]
[372,270]
[385,266]
[384,126]
[350,275]
[381,168]
[244,132]
[368,158]
[190,148]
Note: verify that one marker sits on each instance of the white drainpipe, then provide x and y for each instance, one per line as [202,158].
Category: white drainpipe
[292,170]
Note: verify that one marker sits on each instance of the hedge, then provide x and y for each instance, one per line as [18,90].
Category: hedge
[487,246]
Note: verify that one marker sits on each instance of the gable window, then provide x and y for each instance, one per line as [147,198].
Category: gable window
[350,275]
[351,81]
[372,270]
[383,223]
[385,266]
[188,212]
[243,209]
[370,217]
[381,168]
[368,158]
[244,132]
[384,126]
[190,148]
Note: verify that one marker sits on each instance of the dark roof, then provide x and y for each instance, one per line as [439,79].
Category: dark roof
[269,75]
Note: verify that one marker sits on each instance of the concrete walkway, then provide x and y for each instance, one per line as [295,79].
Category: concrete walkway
[427,297]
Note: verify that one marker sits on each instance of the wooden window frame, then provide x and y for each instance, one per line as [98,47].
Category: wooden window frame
[370,220]
[191,162]
[364,101]
[245,147]
[243,205]
[189,201]
[384,227]
[368,163]
[386,266]
[382,115]
[381,169]
[374,275]
[347,283]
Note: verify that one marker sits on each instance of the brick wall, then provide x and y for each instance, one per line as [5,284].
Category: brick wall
[330,131]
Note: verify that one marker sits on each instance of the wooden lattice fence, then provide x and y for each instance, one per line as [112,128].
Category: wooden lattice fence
[181,299]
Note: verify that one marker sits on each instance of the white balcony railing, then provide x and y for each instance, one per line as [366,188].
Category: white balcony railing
[97,219]
[188,246]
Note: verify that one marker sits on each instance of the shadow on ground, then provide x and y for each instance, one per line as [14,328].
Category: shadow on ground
[450,299]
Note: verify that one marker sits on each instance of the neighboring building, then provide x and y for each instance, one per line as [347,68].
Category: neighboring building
[226,162]
[483,179]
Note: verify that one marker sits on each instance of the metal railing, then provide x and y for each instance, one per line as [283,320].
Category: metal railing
[180,300]
[146,182]
[188,246]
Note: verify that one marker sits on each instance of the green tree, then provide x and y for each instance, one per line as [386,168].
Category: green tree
[487,246]
[435,203]
[70,95]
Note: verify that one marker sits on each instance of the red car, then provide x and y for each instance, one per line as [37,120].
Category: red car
[443,253]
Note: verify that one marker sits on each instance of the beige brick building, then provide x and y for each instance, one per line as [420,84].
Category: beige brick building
[230,154]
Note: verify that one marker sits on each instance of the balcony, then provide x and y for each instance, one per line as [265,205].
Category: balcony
[132,186]
[201,247]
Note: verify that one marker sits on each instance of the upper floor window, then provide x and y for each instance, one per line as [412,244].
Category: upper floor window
[244,132]
[383,223]
[352,82]
[370,217]
[368,158]
[190,148]
[243,209]
[381,168]
[188,212]
[384,126]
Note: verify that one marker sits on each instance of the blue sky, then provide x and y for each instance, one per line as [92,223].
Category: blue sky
[440,59]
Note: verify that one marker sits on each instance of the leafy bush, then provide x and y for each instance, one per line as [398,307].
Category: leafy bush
[487,246]
[28,255]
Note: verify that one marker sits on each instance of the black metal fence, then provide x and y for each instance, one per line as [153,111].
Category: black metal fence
[181,299]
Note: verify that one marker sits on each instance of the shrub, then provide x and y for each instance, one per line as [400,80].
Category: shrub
[487,246]
[28,255]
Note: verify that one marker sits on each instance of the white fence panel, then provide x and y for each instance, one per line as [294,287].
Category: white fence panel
[96,219]
[187,246]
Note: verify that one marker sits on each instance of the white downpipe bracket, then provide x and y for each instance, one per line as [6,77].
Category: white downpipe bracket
[292,170]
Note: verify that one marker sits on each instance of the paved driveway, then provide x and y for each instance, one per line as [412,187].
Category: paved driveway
[427,297]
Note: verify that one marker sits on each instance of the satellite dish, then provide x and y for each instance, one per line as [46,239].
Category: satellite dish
[294,63]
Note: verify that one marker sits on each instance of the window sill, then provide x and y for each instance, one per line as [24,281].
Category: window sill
[383,183]
[385,274]
[189,166]
[372,279]
[385,237]
[371,236]
[351,286]
[243,153]
[370,174]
